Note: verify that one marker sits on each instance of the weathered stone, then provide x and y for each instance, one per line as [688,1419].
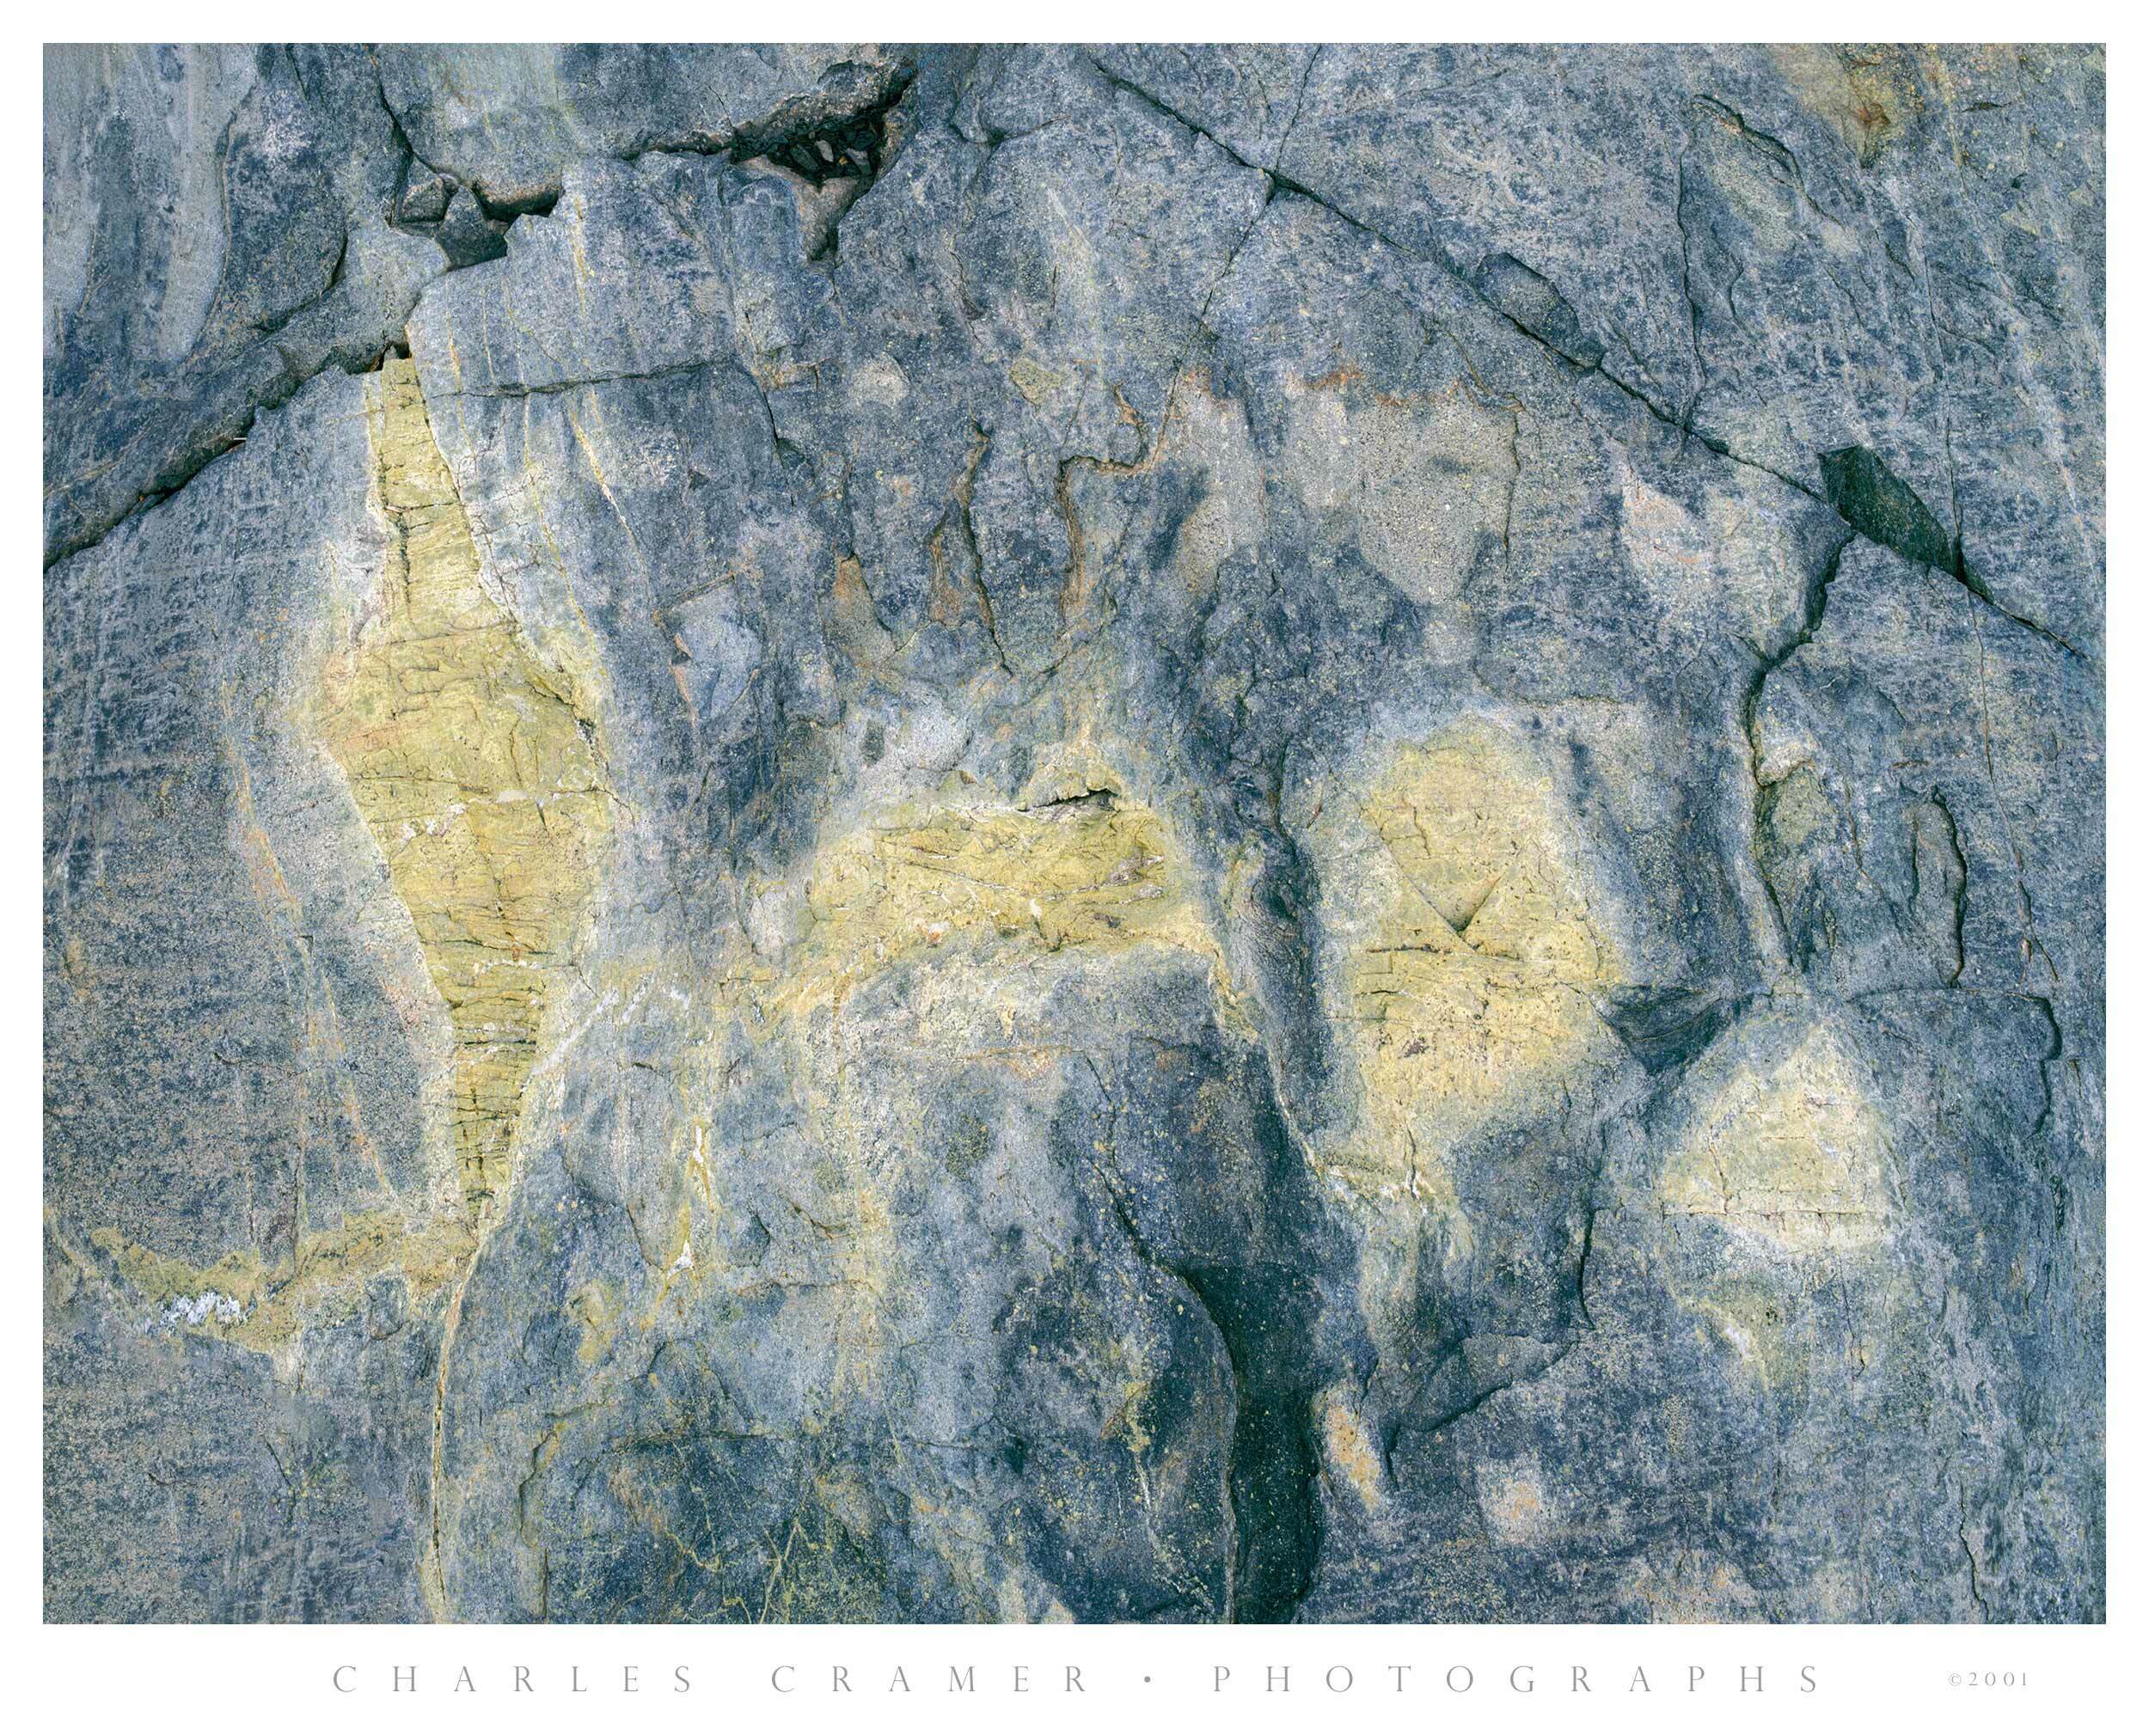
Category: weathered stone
[1164,833]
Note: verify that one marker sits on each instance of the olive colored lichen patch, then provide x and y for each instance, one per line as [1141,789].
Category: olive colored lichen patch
[476,766]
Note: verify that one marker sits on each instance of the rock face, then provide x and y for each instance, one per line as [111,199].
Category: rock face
[1136,833]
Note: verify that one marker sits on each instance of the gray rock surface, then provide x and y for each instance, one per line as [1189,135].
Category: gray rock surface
[1141,833]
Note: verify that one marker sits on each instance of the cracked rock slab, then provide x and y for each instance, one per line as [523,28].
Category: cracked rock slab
[1166,833]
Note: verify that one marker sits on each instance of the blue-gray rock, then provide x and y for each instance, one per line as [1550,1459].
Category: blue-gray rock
[1140,832]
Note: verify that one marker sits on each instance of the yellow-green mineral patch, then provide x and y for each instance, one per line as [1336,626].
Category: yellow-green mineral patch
[261,1307]
[1098,873]
[1469,977]
[1749,1314]
[1794,1152]
[476,767]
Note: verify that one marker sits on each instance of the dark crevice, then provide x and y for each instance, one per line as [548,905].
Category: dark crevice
[1274,1464]
[1093,799]
[468,235]
[507,209]
[1123,1212]
[1470,1407]
[553,387]
[1686,289]
[214,444]
[1163,108]
[844,147]
[1970,1555]
[272,328]
[1955,881]
[1883,508]
[1262,1310]
[1481,1397]
[1978,588]
[394,121]
[1767,145]
[959,508]
[1814,610]
[1582,1259]
[821,148]
[1529,300]
[1666,1028]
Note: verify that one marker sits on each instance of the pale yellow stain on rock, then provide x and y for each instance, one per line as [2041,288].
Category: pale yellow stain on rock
[968,893]
[1126,1424]
[1692,1587]
[475,767]
[1469,980]
[595,1308]
[262,1308]
[1096,872]
[1794,1152]
[1036,382]
[1870,97]
[1749,1317]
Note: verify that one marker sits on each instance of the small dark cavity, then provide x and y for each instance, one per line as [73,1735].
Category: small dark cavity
[538,204]
[850,147]
[1885,509]
[1099,800]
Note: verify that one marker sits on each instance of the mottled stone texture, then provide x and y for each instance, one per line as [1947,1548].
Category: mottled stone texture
[1181,833]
